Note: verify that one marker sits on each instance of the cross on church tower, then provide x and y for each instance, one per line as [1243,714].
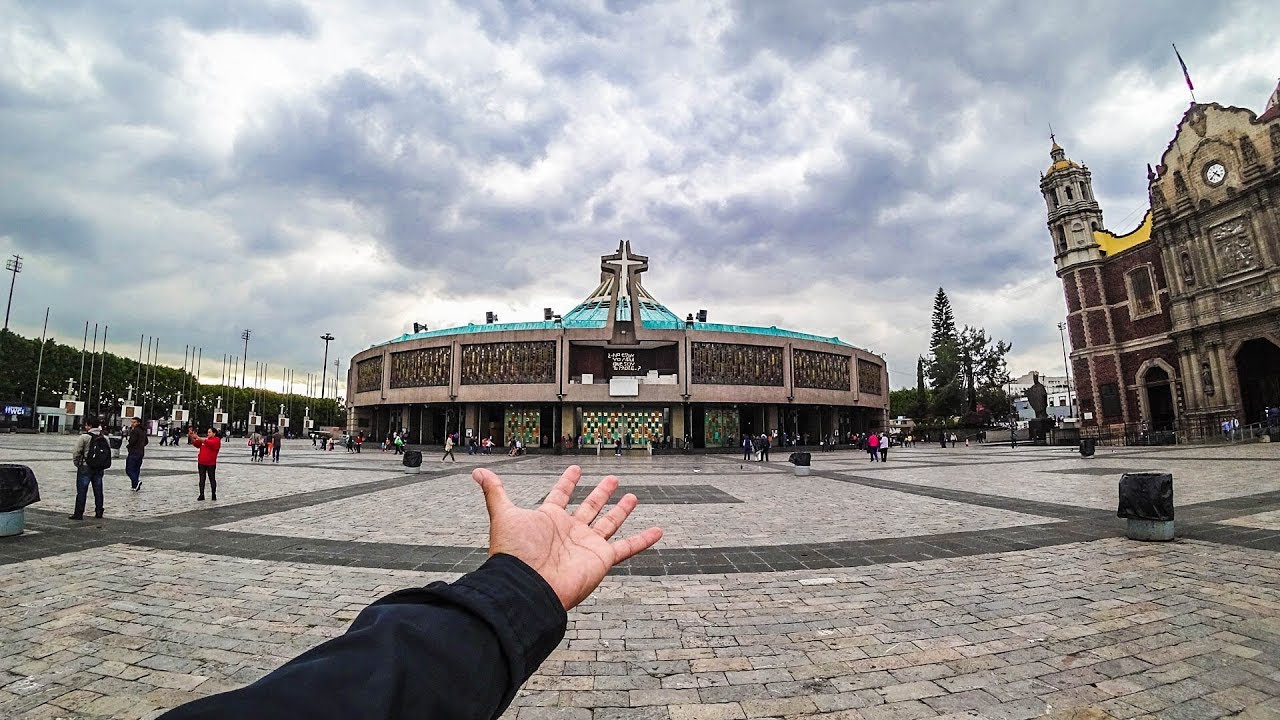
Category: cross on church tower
[625,267]
[71,387]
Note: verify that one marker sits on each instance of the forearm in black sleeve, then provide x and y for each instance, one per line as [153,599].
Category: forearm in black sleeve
[444,651]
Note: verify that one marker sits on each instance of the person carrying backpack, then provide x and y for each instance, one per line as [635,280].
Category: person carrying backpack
[92,457]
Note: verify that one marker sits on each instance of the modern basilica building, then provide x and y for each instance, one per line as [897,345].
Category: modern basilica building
[620,365]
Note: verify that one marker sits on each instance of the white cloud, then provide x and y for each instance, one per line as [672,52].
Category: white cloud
[354,167]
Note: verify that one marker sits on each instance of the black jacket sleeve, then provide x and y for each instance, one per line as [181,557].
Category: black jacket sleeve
[457,651]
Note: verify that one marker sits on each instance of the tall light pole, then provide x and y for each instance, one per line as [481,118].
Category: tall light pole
[245,336]
[1062,326]
[326,338]
[13,265]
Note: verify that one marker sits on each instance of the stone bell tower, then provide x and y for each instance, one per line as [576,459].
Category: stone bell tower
[1074,214]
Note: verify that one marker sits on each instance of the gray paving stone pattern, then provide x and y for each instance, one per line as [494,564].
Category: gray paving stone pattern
[979,582]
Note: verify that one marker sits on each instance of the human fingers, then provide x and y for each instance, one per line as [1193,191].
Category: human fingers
[590,507]
[560,492]
[495,495]
[626,547]
[612,520]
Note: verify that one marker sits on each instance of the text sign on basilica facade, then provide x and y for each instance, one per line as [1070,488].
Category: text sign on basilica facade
[625,363]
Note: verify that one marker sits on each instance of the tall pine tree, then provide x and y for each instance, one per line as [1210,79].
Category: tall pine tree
[944,351]
[944,322]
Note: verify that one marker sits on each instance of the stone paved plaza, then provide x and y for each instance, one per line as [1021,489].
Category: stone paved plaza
[981,582]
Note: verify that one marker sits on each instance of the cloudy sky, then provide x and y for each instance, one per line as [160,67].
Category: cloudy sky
[190,169]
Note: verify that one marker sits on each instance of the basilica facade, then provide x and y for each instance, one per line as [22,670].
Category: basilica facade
[1176,325]
[618,366]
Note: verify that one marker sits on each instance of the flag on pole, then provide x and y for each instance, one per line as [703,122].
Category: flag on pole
[1185,74]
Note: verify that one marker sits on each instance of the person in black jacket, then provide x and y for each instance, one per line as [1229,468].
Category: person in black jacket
[136,445]
[457,650]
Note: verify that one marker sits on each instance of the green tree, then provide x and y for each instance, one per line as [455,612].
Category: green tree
[943,368]
[903,400]
[921,408]
[982,363]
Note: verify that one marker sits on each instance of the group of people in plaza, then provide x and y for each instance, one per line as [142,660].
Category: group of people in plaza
[263,444]
[756,448]
[92,456]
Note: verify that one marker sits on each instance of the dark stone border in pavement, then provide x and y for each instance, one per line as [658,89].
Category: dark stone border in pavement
[999,502]
[660,495]
[191,532]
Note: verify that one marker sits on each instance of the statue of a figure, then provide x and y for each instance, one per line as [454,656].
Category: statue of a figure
[1206,379]
[1038,396]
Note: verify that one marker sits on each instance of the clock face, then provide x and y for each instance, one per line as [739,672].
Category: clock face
[1215,173]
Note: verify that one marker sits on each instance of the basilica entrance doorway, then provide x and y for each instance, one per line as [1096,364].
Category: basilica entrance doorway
[1159,391]
[1258,370]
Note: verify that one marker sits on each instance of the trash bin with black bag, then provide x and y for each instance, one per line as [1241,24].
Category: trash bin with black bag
[116,441]
[1146,501]
[412,461]
[18,489]
[1088,446]
[801,462]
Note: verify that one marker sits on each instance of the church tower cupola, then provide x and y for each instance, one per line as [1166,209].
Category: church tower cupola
[1073,211]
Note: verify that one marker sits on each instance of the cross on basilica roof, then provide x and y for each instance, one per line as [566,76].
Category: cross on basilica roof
[625,266]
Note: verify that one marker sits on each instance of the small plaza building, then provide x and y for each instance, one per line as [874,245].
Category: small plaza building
[618,366]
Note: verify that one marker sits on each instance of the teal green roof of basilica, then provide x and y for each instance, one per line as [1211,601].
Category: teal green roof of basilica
[674,323]
[619,284]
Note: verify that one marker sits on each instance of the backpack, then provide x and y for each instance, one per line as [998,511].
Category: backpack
[97,456]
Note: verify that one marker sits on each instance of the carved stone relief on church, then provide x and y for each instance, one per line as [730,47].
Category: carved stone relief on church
[1188,270]
[509,363]
[369,374]
[421,368]
[1233,247]
[1235,296]
[869,378]
[825,371]
[729,364]
[1248,151]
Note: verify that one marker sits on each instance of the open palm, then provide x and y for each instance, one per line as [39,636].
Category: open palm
[567,550]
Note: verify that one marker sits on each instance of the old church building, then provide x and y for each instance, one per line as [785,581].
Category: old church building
[1176,325]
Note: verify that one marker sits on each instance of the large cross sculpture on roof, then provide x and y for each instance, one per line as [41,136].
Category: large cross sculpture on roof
[626,267]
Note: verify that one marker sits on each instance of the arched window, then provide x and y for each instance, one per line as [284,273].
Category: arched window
[1142,292]
[1062,239]
[1070,195]
[1052,198]
[1093,225]
[1084,191]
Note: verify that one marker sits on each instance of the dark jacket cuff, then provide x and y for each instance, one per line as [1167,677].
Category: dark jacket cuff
[515,601]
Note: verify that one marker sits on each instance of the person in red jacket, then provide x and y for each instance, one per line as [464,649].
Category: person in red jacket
[207,460]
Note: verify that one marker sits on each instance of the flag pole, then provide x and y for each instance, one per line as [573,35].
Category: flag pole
[1186,75]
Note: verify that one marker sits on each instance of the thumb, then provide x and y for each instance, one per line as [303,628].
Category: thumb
[495,495]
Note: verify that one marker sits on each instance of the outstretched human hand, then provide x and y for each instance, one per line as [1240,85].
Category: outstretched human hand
[570,553]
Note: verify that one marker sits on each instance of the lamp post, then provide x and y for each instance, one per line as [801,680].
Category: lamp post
[1062,326]
[245,336]
[13,265]
[326,338]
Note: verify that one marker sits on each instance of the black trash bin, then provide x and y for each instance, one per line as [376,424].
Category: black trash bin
[801,461]
[1146,502]
[1088,446]
[412,460]
[18,489]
